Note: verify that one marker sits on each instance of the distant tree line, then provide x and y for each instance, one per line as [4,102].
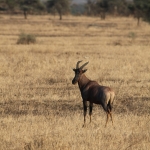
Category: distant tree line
[35,6]
[137,8]
[24,6]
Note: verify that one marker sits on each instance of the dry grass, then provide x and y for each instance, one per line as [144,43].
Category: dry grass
[39,107]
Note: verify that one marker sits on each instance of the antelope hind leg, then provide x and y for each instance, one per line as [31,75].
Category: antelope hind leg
[107,119]
[111,118]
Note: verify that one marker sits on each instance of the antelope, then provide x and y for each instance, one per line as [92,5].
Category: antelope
[92,92]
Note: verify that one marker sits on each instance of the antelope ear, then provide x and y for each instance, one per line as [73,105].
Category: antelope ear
[84,70]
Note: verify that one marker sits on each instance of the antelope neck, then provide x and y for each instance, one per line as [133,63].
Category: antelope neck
[83,81]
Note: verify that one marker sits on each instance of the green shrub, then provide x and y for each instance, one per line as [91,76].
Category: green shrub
[26,38]
[132,35]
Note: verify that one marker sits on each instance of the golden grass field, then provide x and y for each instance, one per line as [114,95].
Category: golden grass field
[40,109]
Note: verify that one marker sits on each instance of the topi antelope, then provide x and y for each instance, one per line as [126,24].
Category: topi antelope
[93,92]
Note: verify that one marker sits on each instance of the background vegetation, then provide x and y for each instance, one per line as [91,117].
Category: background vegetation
[26,39]
[136,8]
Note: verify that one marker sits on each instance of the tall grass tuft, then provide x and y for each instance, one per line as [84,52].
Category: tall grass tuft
[26,39]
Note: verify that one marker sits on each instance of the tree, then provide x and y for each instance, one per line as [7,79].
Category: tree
[11,4]
[61,6]
[8,5]
[91,7]
[142,9]
[2,5]
[96,7]
[115,7]
[118,7]
[102,6]
[27,5]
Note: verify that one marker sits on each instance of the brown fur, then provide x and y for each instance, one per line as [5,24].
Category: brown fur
[94,93]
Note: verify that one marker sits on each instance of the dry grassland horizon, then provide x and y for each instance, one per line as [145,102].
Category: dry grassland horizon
[40,109]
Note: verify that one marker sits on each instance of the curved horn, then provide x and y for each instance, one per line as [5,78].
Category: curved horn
[84,65]
[77,65]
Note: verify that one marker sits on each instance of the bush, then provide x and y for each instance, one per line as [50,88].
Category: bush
[26,39]
[132,35]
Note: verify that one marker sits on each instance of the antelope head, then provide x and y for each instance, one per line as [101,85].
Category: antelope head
[79,72]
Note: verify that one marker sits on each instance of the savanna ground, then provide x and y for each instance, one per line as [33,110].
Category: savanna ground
[39,107]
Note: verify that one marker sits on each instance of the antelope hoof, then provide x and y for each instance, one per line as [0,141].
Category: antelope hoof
[83,126]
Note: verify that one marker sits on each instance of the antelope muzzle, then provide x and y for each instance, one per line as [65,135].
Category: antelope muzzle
[75,80]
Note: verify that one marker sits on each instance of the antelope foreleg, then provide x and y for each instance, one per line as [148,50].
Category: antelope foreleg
[85,112]
[90,111]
